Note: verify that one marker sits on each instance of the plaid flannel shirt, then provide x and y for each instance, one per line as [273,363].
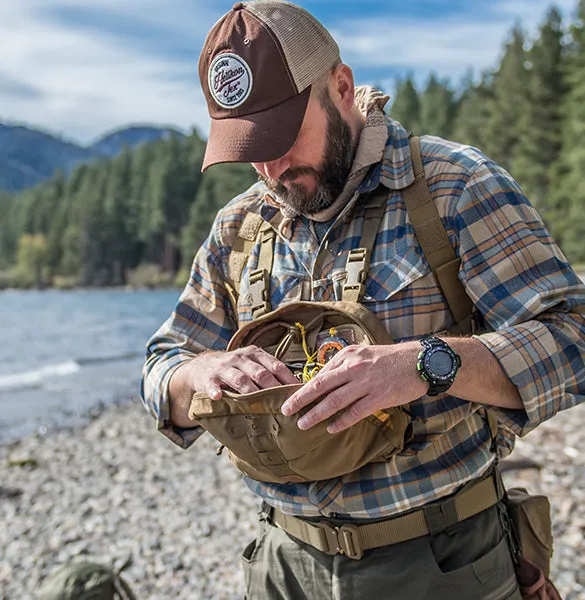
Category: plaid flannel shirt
[511,268]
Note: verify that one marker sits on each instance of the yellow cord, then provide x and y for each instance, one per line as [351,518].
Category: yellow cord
[311,368]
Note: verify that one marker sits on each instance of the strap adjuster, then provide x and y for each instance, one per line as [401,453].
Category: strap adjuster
[358,263]
[343,540]
[259,286]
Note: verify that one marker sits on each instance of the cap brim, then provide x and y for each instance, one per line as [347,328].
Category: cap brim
[259,137]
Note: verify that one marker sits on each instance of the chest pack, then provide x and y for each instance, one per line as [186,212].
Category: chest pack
[263,443]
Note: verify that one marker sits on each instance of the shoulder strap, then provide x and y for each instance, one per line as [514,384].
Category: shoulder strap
[435,243]
[358,259]
[252,230]
[241,249]
[260,277]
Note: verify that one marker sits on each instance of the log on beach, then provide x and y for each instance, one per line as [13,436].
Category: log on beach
[116,488]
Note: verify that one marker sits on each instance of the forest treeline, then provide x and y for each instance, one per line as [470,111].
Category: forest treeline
[139,218]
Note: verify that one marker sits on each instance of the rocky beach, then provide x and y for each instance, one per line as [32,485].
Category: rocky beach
[115,489]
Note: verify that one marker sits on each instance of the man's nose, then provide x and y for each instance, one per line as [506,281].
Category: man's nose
[274,168]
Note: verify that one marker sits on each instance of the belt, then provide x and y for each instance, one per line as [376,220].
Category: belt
[351,539]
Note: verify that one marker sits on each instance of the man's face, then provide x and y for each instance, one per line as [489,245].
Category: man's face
[317,166]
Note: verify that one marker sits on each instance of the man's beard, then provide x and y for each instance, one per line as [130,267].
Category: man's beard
[331,175]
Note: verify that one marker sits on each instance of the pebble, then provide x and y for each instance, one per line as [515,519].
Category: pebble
[116,489]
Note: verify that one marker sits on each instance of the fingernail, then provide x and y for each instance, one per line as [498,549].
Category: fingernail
[285,409]
[303,423]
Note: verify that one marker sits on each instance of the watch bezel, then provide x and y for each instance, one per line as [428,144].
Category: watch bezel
[427,356]
[437,383]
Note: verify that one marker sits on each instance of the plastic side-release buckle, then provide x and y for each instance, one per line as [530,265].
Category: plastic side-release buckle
[259,285]
[358,262]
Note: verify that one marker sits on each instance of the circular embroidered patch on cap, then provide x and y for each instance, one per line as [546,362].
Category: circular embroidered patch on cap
[230,80]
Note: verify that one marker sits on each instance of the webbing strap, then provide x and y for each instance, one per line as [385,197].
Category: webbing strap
[358,259]
[435,243]
[239,255]
[352,539]
[260,277]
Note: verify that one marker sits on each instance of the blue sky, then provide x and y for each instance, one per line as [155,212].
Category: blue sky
[81,68]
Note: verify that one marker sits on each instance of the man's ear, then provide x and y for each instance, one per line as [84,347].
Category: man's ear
[342,88]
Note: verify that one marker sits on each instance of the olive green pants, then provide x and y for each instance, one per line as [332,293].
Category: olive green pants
[469,561]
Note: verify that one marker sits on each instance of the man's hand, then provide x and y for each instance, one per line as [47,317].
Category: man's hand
[243,371]
[358,381]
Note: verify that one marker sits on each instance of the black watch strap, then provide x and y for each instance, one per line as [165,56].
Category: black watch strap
[437,365]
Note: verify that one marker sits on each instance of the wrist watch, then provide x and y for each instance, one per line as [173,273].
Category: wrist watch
[437,364]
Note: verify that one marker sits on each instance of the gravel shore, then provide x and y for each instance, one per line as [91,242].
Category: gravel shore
[116,488]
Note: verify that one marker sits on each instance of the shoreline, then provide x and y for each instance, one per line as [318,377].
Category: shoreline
[115,488]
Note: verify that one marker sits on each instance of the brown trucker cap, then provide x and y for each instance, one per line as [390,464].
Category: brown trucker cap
[256,69]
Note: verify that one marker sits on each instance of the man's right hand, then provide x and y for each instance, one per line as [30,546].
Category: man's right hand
[243,371]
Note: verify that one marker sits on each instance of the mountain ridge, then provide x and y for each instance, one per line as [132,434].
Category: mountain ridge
[30,155]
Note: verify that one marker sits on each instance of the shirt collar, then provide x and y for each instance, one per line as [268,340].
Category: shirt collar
[395,169]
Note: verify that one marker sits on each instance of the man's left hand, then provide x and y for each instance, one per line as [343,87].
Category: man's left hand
[357,382]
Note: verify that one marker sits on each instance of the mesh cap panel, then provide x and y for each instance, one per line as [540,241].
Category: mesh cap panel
[309,49]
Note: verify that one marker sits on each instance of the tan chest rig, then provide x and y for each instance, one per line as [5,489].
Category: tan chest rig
[263,443]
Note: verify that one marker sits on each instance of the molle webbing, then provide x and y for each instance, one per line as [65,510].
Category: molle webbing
[242,246]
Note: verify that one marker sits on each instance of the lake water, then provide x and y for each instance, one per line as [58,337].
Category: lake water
[65,354]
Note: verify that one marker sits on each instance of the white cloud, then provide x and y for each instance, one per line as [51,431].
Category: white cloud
[448,46]
[83,83]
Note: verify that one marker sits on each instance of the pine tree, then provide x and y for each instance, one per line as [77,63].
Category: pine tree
[437,108]
[118,234]
[219,185]
[539,137]
[567,195]
[406,105]
[475,110]
[92,238]
[65,216]
[8,239]
[509,103]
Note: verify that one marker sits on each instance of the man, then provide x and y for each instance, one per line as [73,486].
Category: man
[281,99]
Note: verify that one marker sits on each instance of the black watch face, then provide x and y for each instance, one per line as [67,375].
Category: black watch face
[440,364]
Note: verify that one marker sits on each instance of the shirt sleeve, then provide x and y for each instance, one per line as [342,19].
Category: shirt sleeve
[530,296]
[202,320]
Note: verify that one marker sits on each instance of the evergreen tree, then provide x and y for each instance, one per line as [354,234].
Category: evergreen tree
[539,137]
[118,234]
[437,108]
[219,185]
[92,237]
[510,101]
[406,105]
[567,196]
[475,110]
[8,239]
[64,217]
